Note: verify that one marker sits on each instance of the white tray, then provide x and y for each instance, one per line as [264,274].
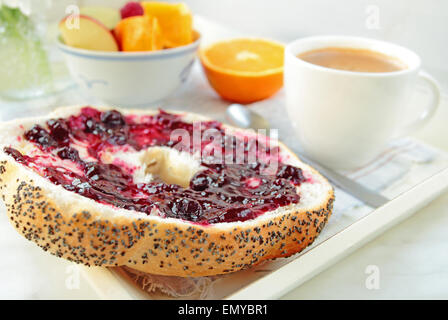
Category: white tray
[345,242]
[256,283]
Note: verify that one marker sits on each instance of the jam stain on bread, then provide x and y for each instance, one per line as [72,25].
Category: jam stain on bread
[229,216]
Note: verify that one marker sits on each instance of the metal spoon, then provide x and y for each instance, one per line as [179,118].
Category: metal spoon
[241,116]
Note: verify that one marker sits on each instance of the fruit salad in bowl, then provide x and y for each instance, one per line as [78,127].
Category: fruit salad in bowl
[133,56]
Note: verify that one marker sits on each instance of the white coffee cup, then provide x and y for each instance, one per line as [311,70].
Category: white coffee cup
[343,119]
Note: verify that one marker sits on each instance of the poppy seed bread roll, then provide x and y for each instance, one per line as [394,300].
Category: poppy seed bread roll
[113,193]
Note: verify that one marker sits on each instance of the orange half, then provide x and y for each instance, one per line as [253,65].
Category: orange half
[244,70]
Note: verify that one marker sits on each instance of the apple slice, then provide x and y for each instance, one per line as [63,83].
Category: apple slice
[107,16]
[91,34]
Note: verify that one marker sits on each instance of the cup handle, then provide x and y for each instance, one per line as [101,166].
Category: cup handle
[430,109]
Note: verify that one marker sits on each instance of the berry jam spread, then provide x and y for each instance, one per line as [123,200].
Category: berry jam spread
[219,192]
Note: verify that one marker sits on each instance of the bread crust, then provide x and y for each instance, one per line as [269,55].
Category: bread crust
[81,230]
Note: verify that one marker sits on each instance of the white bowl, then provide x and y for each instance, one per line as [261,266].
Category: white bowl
[130,78]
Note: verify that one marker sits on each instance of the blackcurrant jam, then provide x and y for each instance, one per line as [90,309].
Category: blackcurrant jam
[220,193]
